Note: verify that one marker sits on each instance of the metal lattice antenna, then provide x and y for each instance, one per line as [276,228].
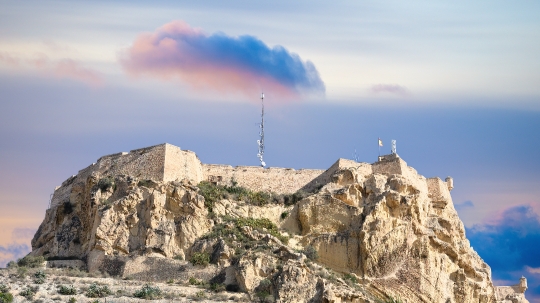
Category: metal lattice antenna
[260,142]
[394,147]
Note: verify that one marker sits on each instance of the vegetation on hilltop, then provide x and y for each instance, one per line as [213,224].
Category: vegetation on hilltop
[231,229]
[213,193]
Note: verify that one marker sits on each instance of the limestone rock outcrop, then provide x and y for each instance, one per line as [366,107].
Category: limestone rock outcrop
[363,232]
[388,230]
[122,216]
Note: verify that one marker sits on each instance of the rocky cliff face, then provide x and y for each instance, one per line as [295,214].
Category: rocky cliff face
[120,216]
[367,235]
[388,231]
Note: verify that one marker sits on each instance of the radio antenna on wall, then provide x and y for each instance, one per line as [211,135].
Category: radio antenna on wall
[260,142]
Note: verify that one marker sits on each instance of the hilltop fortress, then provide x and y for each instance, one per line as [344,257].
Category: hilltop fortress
[356,233]
[166,162]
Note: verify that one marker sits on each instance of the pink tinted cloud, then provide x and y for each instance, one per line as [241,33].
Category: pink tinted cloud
[68,68]
[9,60]
[511,215]
[533,270]
[65,68]
[219,62]
[390,89]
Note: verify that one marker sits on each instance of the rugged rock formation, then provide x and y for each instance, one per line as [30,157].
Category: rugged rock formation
[375,231]
[388,230]
[121,216]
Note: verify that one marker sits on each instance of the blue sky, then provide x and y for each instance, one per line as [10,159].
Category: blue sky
[456,84]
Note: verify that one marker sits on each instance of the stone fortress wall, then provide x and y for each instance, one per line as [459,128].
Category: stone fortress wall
[166,162]
[273,179]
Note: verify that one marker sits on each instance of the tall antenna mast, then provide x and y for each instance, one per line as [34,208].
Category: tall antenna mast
[260,142]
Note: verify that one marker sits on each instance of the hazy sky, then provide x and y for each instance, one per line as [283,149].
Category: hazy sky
[455,83]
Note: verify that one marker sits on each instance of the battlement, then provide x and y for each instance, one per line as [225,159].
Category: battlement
[512,292]
[273,179]
[166,162]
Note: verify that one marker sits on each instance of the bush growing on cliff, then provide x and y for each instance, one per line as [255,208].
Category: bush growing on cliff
[4,288]
[5,295]
[32,262]
[200,258]
[294,198]
[147,183]
[67,207]
[232,228]
[213,193]
[67,290]
[39,277]
[106,183]
[311,253]
[96,291]
[148,292]
[29,292]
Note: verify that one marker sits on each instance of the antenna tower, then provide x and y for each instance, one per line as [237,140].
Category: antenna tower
[260,142]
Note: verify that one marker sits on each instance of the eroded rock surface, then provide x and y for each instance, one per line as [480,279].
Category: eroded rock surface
[389,230]
[370,232]
[123,218]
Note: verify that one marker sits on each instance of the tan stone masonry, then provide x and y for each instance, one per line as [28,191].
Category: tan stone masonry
[166,162]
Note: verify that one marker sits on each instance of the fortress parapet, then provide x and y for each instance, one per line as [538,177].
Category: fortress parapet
[166,162]
[522,286]
[449,182]
[514,293]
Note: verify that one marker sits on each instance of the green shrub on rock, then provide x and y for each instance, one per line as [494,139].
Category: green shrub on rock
[32,262]
[96,291]
[5,296]
[29,292]
[200,258]
[12,264]
[148,292]
[39,277]
[193,281]
[67,290]
[4,288]
[105,183]
[311,253]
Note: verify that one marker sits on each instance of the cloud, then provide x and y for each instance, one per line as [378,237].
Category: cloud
[19,247]
[510,243]
[12,252]
[68,68]
[464,205]
[221,63]
[390,89]
[10,60]
[533,270]
[65,68]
